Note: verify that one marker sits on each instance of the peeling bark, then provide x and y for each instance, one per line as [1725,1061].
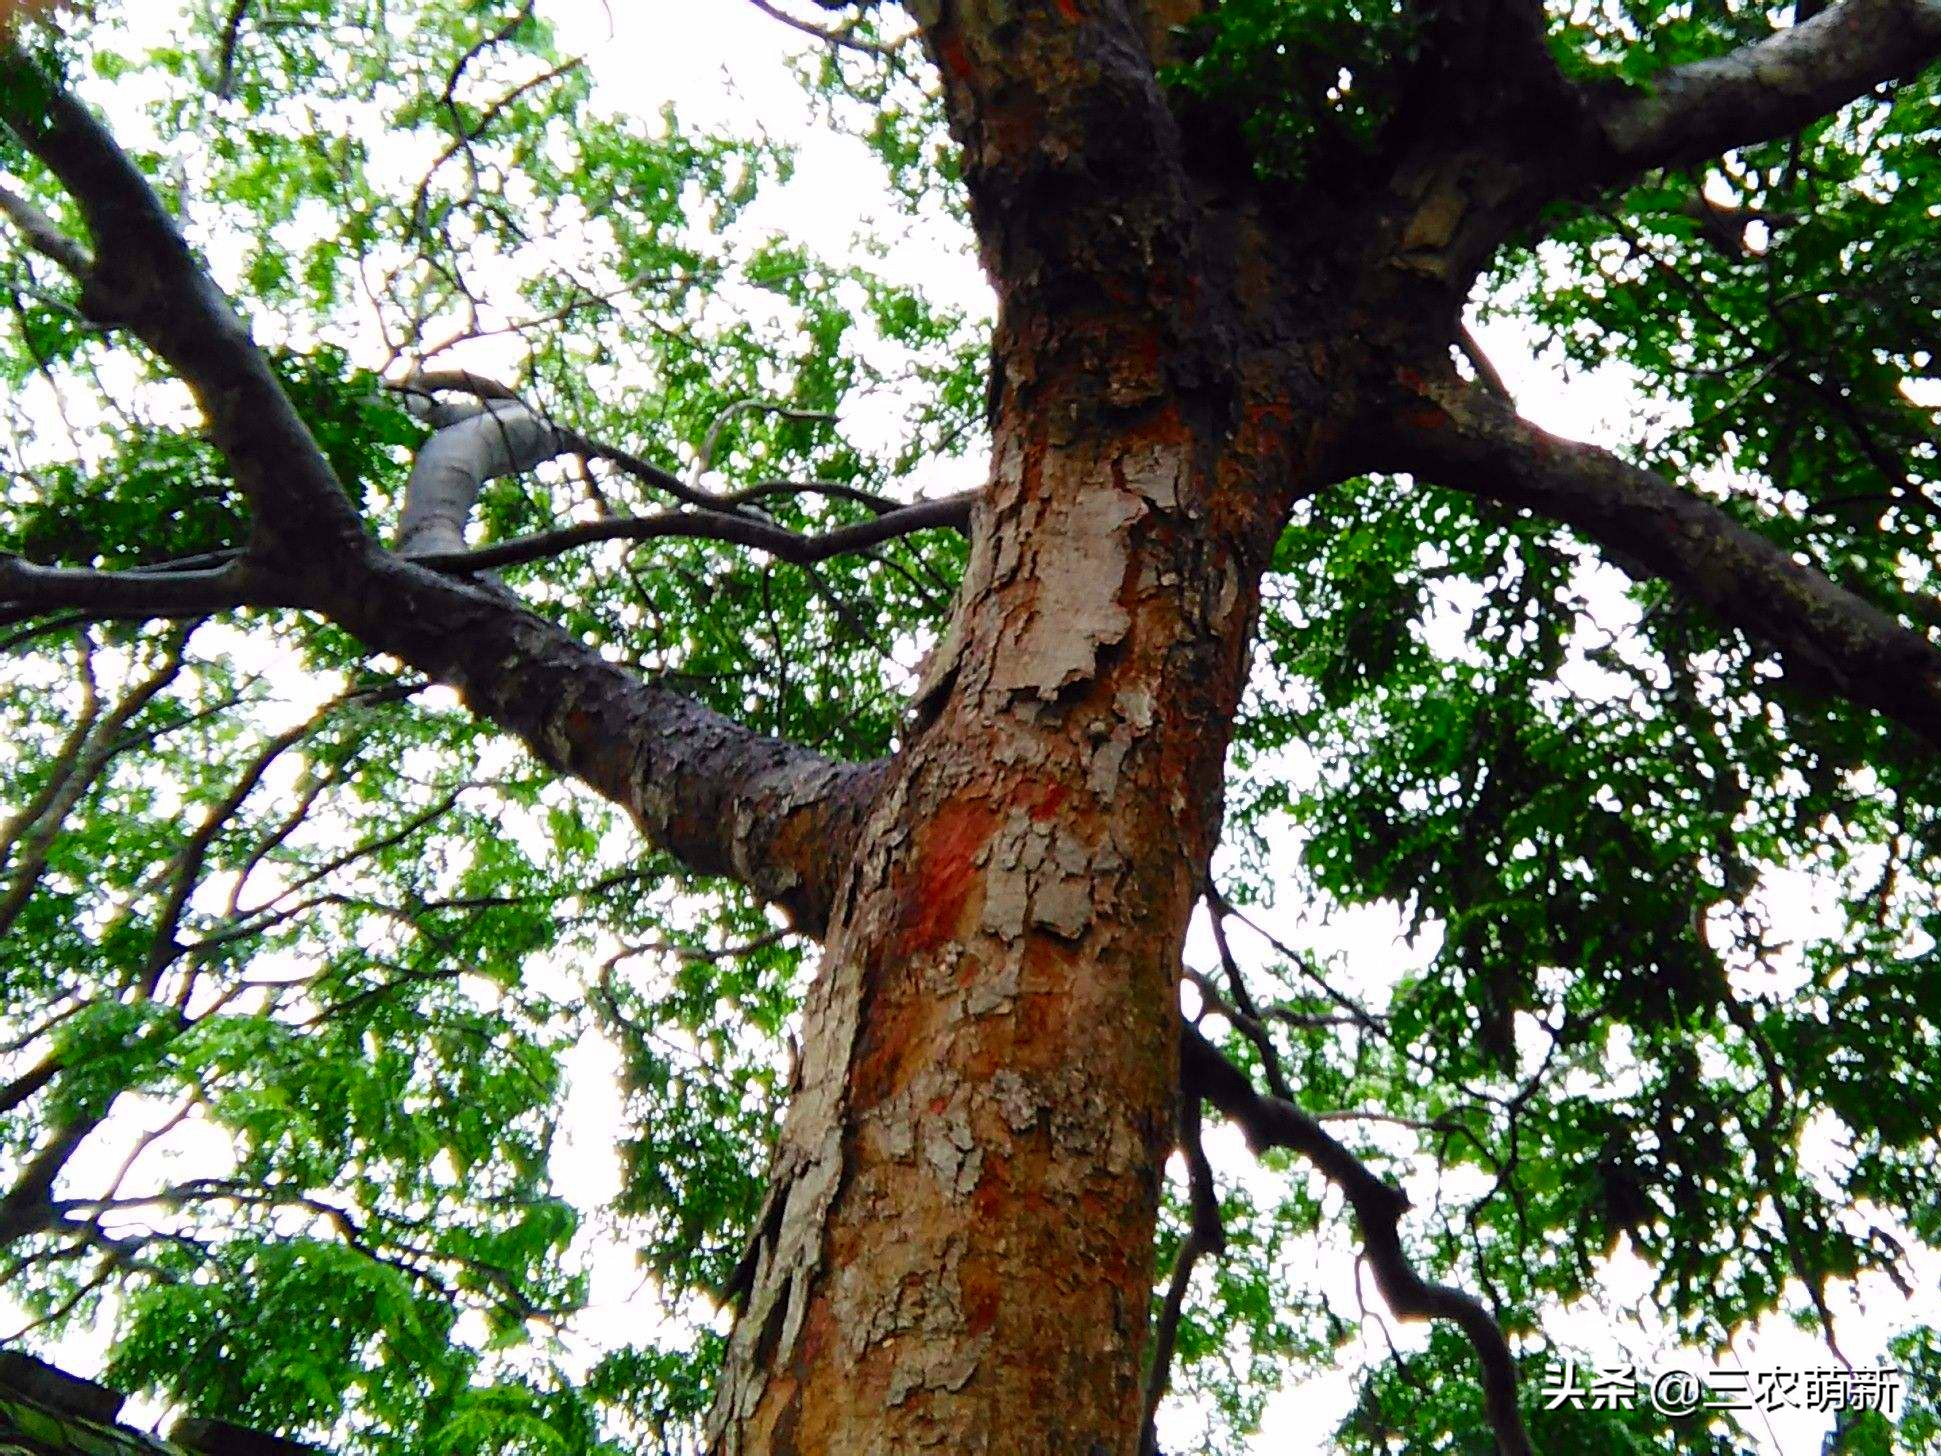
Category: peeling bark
[957,1251]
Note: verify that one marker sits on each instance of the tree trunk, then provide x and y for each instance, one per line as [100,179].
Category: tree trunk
[957,1251]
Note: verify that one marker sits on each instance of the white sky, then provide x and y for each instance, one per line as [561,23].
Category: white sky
[724,63]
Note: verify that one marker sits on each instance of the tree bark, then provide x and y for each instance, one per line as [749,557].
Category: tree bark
[957,1254]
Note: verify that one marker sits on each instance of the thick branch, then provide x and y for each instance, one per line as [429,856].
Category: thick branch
[469,446]
[1463,437]
[1272,1122]
[144,276]
[30,590]
[1774,87]
[1072,156]
[529,437]
[724,800]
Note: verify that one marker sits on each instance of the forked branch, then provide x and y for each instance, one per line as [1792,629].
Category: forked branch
[777,817]
[1273,1122]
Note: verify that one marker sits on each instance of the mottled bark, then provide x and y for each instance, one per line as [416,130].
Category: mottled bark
[957,1254]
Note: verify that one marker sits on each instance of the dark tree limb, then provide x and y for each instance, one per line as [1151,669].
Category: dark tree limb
[1274,1122]
[724,800]
[1205,1234]
[27,589]
[1771,88]
[1463,437]
[144,276]
[951,512]
[232,34]
[41,234]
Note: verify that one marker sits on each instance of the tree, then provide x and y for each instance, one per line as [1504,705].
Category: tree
[284,573]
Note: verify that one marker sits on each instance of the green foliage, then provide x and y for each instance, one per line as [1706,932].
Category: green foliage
[1310,83]
[298,942]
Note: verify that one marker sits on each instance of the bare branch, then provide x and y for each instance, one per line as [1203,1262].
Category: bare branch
[30,590]
[40,233]
[480,453]
[1273,1122]
[828,35]
[232,34]
[952,512]
[1463,437]
[468,449]
[1771,88]
[1206,1234]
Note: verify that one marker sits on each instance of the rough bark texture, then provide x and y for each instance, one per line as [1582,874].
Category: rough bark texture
[961,1231]
[957,1252]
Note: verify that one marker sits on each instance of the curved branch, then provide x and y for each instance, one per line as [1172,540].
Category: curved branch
[1462,437]
[144,275]
[1773,87]
[1273,1122]
[468,447]
[29,590]
[952,512]
[476,442]
[505,405]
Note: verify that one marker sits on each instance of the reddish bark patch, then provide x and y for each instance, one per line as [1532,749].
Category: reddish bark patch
[993,1189]
[879,1066]
[946,871]
[1069,9]
[982,1294]
[1049,801]
[957,61]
